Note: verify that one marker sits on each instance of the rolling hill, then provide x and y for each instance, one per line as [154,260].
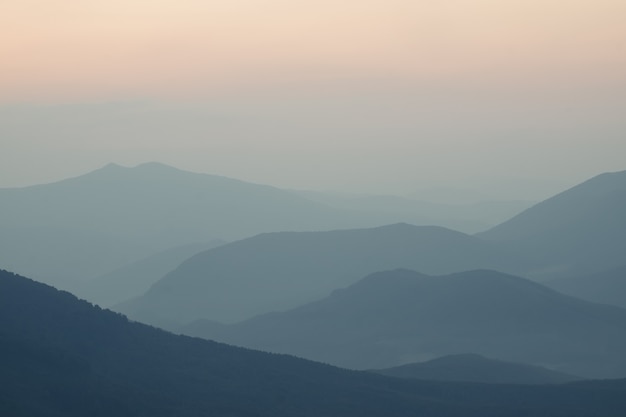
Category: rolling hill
[463,217]
[607,287]
[84,227]
[134,279]
[398,317]
[278,271]
[476,368]
[64,357]
[579,231]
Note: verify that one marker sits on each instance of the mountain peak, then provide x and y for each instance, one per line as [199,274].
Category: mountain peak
[153,166]
[473,367]
[581,230]
[111,167]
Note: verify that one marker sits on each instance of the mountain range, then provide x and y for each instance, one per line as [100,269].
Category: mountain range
[64,357]
[287,286]
[476,368]
[579,231]
[398,317]
[608,287]
[465,217]
[116,215]
[135,278]
[278,271]
[81,228]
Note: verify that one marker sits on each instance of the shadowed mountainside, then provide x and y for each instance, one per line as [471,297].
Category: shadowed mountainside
[277,271]
[579,231]
[607,287]
[397,317]
[476,368]
[62,356]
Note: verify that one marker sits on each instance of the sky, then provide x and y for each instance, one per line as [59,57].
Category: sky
[366,95]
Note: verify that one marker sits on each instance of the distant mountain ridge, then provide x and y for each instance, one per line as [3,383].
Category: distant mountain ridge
[608,287]
[476,368]
[579,231]
[116,215]
[277,271]
[134,279]
[467,217]
[397,317]
[142,199]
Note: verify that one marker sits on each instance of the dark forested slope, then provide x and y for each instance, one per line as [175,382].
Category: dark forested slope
[64,357]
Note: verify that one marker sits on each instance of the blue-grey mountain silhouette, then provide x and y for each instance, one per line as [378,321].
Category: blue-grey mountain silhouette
[87,226]
[607,287]
[64,357]
[466,217]
[579,231]
[397,317]
[471,367]
[134,279]
[278,271]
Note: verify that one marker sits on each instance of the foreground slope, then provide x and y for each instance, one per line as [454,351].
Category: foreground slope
[61,356]
[476,368]
[397,317]
[581,230]
[277,271]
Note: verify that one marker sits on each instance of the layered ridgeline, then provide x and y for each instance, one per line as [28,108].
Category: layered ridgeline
[135,279]
[87,226]
[608,287]
[579,231]
[62,356]
[466,216]
[561,236]
[278,271]
[470,367]
[398,317]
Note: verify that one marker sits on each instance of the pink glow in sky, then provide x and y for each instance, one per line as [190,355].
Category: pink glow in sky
[349,94]
[91,48]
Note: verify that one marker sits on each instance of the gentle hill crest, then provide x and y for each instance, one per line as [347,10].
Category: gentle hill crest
[581,230]
[401,316]
[277,271]
[116,215]
[607,287]
[134,279]
[470,367]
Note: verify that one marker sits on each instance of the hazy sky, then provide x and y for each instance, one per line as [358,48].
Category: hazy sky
[380,95]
